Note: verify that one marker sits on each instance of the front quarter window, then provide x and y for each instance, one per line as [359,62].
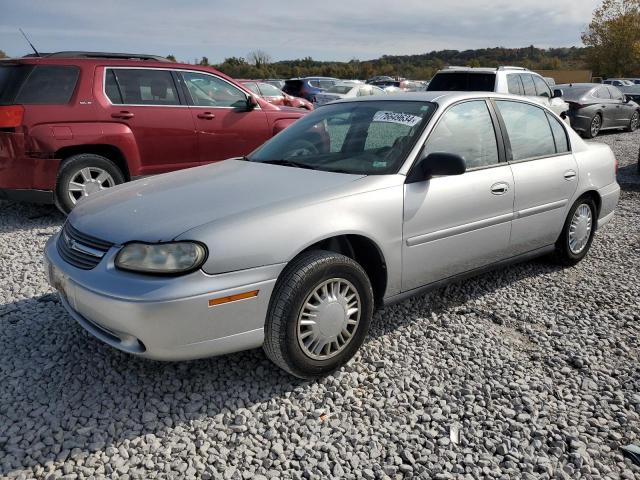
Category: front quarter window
[366,138]
[210,91]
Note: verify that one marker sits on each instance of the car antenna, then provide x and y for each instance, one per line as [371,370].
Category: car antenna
[29,42]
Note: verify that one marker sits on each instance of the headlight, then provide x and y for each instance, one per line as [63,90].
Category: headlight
[161,258]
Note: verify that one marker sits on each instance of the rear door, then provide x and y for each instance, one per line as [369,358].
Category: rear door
[623,111]
[453,224]
[225,127]
[148,102]
[545,173]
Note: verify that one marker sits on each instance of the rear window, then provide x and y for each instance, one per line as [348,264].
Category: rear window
[48,84]
[11,78]
[292,87]
[463,82]
[41,84]
[574,93]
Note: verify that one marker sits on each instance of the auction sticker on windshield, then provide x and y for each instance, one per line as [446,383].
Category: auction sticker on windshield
[397,117]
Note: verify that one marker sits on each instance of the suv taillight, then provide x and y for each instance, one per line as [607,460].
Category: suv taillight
[11,116]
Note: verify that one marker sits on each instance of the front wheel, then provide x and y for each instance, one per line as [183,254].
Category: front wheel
[83,175]
[319,314]
[577,234]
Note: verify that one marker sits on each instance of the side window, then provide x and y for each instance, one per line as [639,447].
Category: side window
[141,87]
[615,93]
[528,129]
[515,86]
[314,83]
[210,91]
[467,130]
[542,89]
[529,86]
[559,135]
[48,84]
[111,88]
[602,92]
[326,84]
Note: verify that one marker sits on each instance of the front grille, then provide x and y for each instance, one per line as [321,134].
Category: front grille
[81,250]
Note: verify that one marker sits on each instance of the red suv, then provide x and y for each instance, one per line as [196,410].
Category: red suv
[73,123]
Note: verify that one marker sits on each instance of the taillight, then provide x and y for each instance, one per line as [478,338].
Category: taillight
[11,116]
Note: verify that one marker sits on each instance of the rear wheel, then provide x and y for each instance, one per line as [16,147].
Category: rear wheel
[594,127]
[319,314]
[634,122]
[83,175]
[577,234]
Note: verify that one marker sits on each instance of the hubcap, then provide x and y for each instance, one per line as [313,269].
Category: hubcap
[87,181]
[595,125]
[580,229]
[328,319]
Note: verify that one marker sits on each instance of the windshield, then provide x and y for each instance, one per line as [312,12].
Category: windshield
[366,138]
[463,82]
[341,89]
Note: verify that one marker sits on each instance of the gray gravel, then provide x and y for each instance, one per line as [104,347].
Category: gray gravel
[526,372]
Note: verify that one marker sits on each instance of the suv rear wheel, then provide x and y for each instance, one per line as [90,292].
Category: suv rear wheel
[82,175]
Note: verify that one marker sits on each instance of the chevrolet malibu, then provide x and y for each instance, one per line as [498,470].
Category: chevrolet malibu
[359,204]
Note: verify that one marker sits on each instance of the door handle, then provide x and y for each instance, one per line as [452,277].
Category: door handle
[123,114]
[499,188]
[206,116]
[569,175]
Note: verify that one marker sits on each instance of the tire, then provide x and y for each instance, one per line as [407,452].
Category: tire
[594,127]
[565,253]
[634,122]
[288,342]
[86,169]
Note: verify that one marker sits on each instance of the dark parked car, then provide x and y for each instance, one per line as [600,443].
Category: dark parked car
[594,107]
[308,87]
[75,123]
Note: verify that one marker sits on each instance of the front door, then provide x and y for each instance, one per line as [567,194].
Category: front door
[454,224]
[146,100]
[225,127]
[544,171]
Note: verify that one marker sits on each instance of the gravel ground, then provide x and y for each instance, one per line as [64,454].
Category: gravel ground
[527,372]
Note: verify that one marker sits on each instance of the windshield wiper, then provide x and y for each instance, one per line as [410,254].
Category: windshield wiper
[290,163]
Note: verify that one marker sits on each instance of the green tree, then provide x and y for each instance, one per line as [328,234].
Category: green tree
[204,61]
[171,58]
[613,38]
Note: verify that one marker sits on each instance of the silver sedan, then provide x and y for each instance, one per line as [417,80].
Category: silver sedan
[359,204]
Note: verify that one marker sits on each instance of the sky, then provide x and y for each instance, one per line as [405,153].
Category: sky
[325,30]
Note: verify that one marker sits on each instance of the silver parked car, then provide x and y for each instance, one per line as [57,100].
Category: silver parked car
[359,204]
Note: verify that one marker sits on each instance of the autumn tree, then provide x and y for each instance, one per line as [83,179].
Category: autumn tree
[613,38]
[259,58]
[171,58]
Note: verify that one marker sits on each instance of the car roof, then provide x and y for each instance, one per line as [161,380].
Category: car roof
[580,85]
[443,97]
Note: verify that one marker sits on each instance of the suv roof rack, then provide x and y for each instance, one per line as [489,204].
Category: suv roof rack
[120,56]
[509,67]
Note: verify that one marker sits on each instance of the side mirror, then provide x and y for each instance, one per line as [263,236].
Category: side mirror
[437,163]
[557,93]
[251,102]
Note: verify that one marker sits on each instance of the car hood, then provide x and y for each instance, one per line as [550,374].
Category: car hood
[160,208]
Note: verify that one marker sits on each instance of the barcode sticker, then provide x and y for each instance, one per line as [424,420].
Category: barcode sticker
[397,117]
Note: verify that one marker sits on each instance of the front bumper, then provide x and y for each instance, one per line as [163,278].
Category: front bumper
[164,318]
